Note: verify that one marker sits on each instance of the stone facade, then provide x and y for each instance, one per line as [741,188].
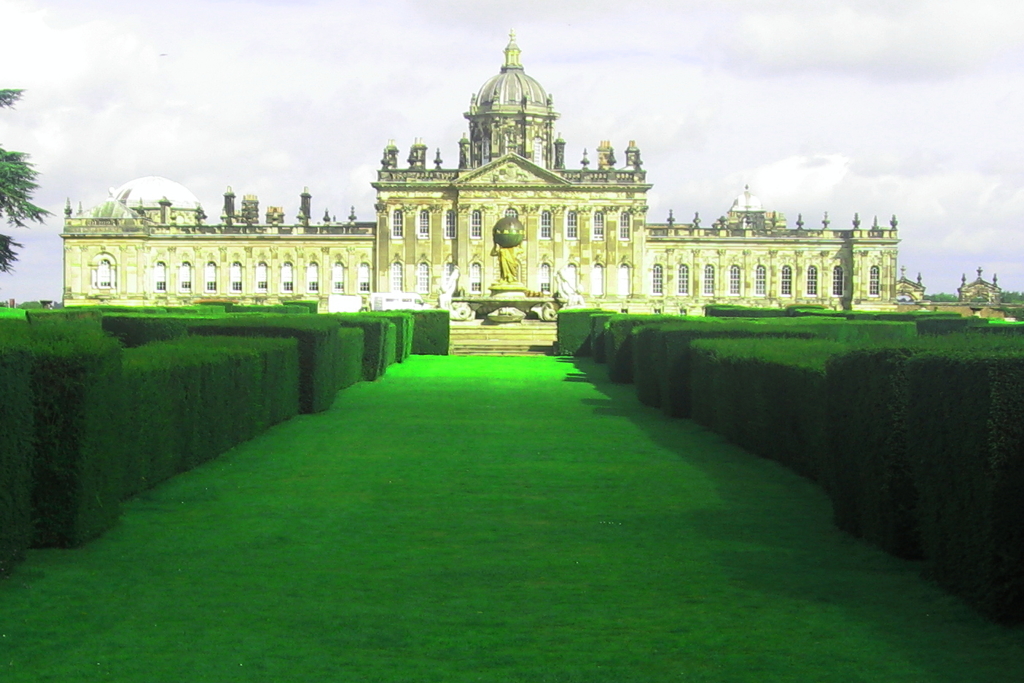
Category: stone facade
[150,243]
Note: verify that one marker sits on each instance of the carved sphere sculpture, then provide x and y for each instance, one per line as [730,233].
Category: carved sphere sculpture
[509,232]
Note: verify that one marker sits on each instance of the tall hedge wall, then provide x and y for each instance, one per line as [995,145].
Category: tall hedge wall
[598,329]
[404,330]
[431,333]
[16,429]
[618,343]
[197,397]
[379,338]
[574,332]
[78,410]
[766,395]
[320,352]
[965,443]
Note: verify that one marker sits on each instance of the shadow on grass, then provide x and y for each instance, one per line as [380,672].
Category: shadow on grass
[775,536]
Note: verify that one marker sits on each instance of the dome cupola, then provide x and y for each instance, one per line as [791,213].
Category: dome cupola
[511,87]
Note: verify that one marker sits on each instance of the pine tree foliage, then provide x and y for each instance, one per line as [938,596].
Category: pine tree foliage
[17,183]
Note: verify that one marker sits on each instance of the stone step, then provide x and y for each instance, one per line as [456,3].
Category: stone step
[501,349]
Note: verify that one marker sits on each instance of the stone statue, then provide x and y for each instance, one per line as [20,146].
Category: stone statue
[567,291]
[449,283]
[508,263]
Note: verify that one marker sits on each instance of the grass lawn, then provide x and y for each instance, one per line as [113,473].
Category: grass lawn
[487,519]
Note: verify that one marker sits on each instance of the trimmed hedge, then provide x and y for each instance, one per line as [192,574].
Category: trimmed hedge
[404,330]
[598,329]
[865,471]
[618,343]
[574,331]
[134,330]
[320,351]
[431,333]
[78,410]
[965,443]
[281,309]
[732,311]
[378,338]
[197,397]
[766,395]
[17,419]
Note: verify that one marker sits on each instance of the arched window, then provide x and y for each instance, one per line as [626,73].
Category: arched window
[423,278]
[683,280]
[572,275]
[312,278]
[625,280]
[837,281]
[874,281]
[476,278]
[597,229]
[657,280]
[160,277]
[571,226]
[545,278]
[597,280]
[235,274]
[449,268]
[105,274]
[476,222]
[423,226]
[449,224]
[397,224]
[397,277]
[624,228]
[709,280]
[786,282]
[812,281]
[185,277]
[338,278]
[363,277]
[287,277]
[511,213]
[545,225]
[760,281]
[210,277]
[261,277]
[734,280]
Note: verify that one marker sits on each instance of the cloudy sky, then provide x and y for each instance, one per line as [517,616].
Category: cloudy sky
[913,107]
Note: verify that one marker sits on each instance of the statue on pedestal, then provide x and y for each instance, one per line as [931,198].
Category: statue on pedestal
[508,236]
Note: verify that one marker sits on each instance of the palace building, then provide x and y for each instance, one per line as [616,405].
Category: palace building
[151,242]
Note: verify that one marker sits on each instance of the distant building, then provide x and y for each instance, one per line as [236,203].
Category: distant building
[151,243]
[979,291]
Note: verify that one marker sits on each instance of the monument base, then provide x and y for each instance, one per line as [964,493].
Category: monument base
[508,290]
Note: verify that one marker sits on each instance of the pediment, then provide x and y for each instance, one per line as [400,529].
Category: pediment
[510,169]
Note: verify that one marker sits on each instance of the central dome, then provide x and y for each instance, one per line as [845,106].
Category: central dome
[150,190]
[512,85]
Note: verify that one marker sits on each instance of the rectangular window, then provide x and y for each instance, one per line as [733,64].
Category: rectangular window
[837,281]
[338,278]
[545,225]
[476,221]
[709,280]
[874,281]
[449,225]
[624,227]
[597,231]
[760,281]
[786,284]
[571,226]
[545,278]
[423,278]
[657,280]
[397,279]
[812,281]
[261,278]
[397,224]
[423,228]
[734,280]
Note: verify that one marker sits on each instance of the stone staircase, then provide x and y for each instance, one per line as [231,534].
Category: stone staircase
[528,338]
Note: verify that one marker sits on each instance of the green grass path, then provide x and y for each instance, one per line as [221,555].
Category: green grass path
[487,519]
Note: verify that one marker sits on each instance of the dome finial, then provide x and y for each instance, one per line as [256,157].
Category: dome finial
[512,52]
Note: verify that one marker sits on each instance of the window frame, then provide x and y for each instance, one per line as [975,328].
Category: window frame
[397,224]
[760,280]
[735,280]
[545,225]
[813,284]
[572,225]
[683,280]
[708,282]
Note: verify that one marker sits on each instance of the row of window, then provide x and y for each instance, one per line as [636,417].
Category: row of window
[811,282]
[261,280]
[597,228]
[104,277]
